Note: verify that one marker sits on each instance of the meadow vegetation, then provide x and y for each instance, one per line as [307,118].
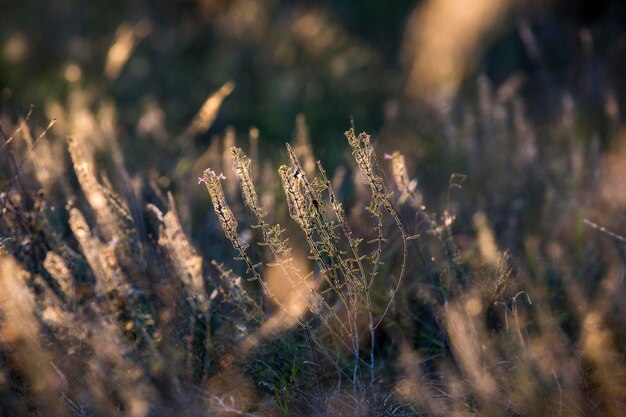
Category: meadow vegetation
[473,266]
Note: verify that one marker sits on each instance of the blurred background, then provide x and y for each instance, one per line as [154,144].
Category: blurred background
[330,60]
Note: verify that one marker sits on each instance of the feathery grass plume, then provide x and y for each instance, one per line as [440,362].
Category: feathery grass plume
[177,321]
[229,226]
[184,257]
[601,344]
[111,282]
[241,167]
[295,200]
[362,151]
[598,345]
[598,340]
[465,333]
[222,210]
[207,113]
[101,257]
[346,276]
[126,203]
[20,336]
[184,312]
[112,215]
[364,155]
[281,252]
[79,120]
[486,105]
[304,209]
[403,182]
[310,201]
[187,265]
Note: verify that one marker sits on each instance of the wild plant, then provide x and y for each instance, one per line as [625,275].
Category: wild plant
[116,297]
[348,277]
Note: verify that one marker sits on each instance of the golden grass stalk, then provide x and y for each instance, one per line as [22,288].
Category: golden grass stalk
[207,113]
[184,257]
[20,334]
[229,226]
[126,39]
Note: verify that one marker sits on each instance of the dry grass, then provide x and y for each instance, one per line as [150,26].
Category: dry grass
[347,295]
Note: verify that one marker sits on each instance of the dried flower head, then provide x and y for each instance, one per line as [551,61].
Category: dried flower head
[362,151]
[227,220]
[401,178]
[295,200]
[241,167]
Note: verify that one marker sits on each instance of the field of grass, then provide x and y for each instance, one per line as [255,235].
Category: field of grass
[465,256]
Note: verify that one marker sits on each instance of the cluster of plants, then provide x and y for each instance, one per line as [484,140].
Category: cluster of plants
[306,293]
[464,258]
